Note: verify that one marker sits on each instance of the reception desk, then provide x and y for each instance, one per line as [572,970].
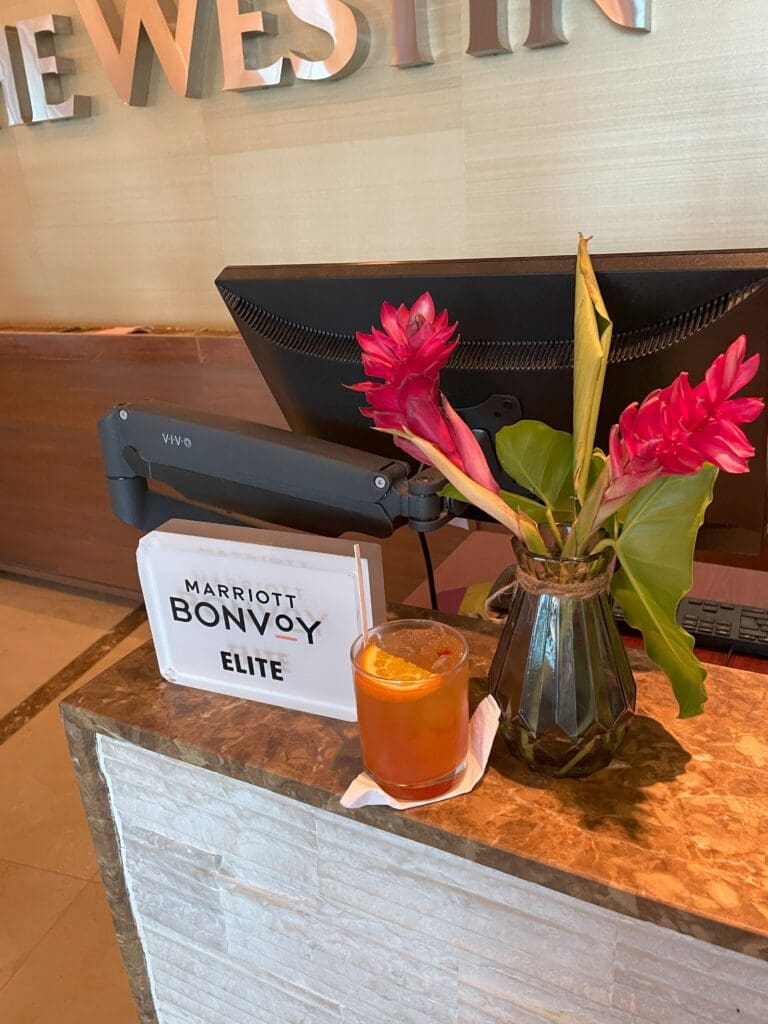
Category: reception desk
[242,892]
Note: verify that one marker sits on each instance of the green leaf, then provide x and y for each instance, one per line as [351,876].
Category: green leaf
[655,551]
[518,502]
[475,596]
[584,525]
[596,466]
[592,329]
[449,491]
[539,459]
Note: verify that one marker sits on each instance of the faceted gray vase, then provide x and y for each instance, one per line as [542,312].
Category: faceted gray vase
[560,673]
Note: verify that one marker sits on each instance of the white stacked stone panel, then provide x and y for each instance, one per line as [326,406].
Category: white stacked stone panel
[252,907]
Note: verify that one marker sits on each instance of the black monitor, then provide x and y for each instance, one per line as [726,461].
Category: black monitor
[671,312]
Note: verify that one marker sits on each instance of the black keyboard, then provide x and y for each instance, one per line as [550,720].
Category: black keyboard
[736,627]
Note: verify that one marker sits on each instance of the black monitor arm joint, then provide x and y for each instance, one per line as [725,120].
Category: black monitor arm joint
[235,471]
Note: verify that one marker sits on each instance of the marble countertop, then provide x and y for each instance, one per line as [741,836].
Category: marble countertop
[675,831]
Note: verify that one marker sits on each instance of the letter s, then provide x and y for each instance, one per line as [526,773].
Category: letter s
[347,28]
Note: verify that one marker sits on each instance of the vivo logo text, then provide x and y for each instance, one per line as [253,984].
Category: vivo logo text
[177,441]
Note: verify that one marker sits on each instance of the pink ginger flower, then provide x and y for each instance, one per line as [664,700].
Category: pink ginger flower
[413,336]
[408,355]
[679,428]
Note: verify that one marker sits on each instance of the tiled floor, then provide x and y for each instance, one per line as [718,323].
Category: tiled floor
[59,960]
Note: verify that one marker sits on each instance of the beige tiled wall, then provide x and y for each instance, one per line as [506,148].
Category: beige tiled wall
[650,142]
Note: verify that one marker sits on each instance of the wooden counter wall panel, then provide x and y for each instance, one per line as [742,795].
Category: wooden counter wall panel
[55,518]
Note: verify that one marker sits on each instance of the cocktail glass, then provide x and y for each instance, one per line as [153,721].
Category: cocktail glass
[411,682]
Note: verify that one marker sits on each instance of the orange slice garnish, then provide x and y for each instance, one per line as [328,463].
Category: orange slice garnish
[380,663]
[398,679]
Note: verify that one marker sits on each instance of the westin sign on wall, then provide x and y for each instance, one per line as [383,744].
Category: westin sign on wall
[31,73]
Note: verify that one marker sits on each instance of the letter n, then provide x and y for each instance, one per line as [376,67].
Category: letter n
[546,24]
[126,49]
[634,14]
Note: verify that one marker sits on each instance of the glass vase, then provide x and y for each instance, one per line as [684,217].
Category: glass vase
[560,673]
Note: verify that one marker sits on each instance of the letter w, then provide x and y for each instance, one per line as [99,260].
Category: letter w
[178,34]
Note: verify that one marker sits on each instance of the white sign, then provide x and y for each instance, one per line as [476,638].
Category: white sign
[258,614]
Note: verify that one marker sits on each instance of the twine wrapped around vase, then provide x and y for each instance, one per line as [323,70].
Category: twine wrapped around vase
[584,588]
[589,587]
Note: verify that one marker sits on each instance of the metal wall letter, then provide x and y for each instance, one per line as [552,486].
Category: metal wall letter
[410,34]
[41,62]
[11,71]
[546,26]
[145,27]
[634,14]
[488,28]
[347,28]
[233,27]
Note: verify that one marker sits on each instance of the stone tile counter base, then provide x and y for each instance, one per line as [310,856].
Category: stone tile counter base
[252,907]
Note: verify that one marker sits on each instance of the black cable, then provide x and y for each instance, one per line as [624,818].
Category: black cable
[430,571]
[428,560]
[729,655]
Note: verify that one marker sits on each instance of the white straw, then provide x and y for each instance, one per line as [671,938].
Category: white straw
[361,594]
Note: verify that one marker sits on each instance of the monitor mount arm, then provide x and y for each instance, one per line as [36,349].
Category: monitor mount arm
[232,471]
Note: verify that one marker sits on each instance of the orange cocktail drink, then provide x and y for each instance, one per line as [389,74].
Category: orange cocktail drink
[411,689]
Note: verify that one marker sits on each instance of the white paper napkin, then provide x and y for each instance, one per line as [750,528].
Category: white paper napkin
[364,792]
